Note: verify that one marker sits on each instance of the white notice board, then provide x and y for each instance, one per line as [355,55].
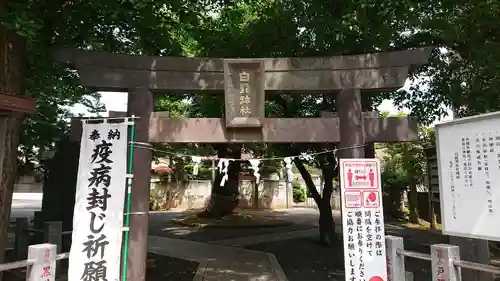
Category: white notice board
[468,152]
[363,220]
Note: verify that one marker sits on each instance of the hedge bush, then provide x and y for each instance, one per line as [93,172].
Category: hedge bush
[299,192]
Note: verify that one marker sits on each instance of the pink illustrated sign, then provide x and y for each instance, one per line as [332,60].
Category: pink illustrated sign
[361,174]
[371,199]
[363,220]
[353,199]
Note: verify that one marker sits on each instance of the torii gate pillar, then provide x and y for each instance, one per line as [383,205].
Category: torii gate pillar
[351,124]
[140,104]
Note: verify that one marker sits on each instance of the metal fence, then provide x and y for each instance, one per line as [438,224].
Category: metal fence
[51,233]
[445,261]
[41,259]
[41,262]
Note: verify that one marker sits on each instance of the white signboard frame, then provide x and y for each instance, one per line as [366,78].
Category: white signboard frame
[363,220]
[469,192]
[100,195]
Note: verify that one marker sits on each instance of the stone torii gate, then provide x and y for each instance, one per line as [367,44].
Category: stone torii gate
[244,82]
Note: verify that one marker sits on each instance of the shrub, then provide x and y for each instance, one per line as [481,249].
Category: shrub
[153,200]
[299,192]
[395,180]
[204,173]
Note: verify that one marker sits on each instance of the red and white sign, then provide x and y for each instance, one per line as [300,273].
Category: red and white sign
[363,220]
[371,199]
[353,199]
[361,174]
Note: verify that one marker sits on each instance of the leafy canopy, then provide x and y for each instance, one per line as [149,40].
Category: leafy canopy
[464,75]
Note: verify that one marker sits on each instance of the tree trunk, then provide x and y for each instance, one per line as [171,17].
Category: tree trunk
[12,56]
[327,235]
[224,199]
[9,138]
[413,203]
[326,223]
[394,204]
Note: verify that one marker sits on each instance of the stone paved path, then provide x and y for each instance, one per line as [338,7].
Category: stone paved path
[220,263]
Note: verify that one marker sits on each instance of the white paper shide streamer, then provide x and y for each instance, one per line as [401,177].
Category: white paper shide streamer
[223,166]
[97,228]
[255,167]
[288,167]
[196,162]
[306,157]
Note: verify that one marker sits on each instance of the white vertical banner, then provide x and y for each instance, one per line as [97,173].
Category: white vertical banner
[363,220]
[100,190]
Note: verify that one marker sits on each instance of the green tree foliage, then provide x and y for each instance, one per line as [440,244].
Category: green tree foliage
[411,155]
[465,75]
[146,27]
[404,168]
[461,76]
[299,192]
[132,27]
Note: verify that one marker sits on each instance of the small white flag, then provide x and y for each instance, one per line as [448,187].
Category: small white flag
[306,157]
[288,167]
[196,161]
[223,166]
[255,166]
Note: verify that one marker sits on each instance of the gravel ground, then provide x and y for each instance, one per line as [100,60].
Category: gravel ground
[304,259]
[211,234]
[165,268]
[161,225]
